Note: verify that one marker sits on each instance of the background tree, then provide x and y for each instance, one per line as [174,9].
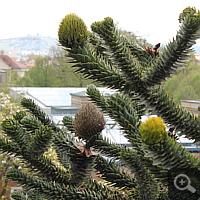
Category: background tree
[12,77]
[25,81]
[185,85]
[43,74]
[65,76]
[54,71]
[31,57]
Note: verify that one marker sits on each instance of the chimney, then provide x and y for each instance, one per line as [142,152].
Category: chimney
[2,52]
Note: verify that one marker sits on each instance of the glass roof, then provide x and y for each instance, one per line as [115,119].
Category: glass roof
[52,98]
[55,96]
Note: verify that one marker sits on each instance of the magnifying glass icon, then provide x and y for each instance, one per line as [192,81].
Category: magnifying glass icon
[181,181]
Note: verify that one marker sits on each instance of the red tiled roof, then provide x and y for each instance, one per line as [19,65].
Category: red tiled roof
[12,62]
[30,64]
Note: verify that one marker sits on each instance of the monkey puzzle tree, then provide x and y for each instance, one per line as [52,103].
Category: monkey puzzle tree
[156,159]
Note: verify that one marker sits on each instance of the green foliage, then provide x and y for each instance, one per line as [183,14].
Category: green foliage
[136,74]
[114,173]
[147,187]
[65,76]
[189,11]
[153,130]
[51,73]
[25,81]
[43,74]
[18,196]
[185,85]
[72,31]
[12,77]
[30,149]
[186,93]
[7,109]
[68,121]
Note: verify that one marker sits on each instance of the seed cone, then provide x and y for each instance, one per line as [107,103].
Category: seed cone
[72,31]
[153,130]
[89,120]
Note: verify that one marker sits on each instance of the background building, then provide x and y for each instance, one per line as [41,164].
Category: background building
[58,102]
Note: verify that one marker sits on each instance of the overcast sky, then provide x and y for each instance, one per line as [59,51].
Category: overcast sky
[155,20]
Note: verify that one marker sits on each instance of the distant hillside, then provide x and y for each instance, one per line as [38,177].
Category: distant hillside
[39,45]
[29,43]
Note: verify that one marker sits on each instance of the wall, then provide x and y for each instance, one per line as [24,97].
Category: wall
[78,101]
[3,65]
[2,79]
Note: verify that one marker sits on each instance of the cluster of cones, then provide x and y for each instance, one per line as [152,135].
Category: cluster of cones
[154,50]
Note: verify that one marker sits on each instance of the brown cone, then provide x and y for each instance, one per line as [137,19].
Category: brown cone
[89,120]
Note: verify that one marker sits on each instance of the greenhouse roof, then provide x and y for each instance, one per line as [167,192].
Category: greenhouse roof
[55,96]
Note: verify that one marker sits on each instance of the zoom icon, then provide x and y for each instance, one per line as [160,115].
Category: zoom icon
[182,182]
